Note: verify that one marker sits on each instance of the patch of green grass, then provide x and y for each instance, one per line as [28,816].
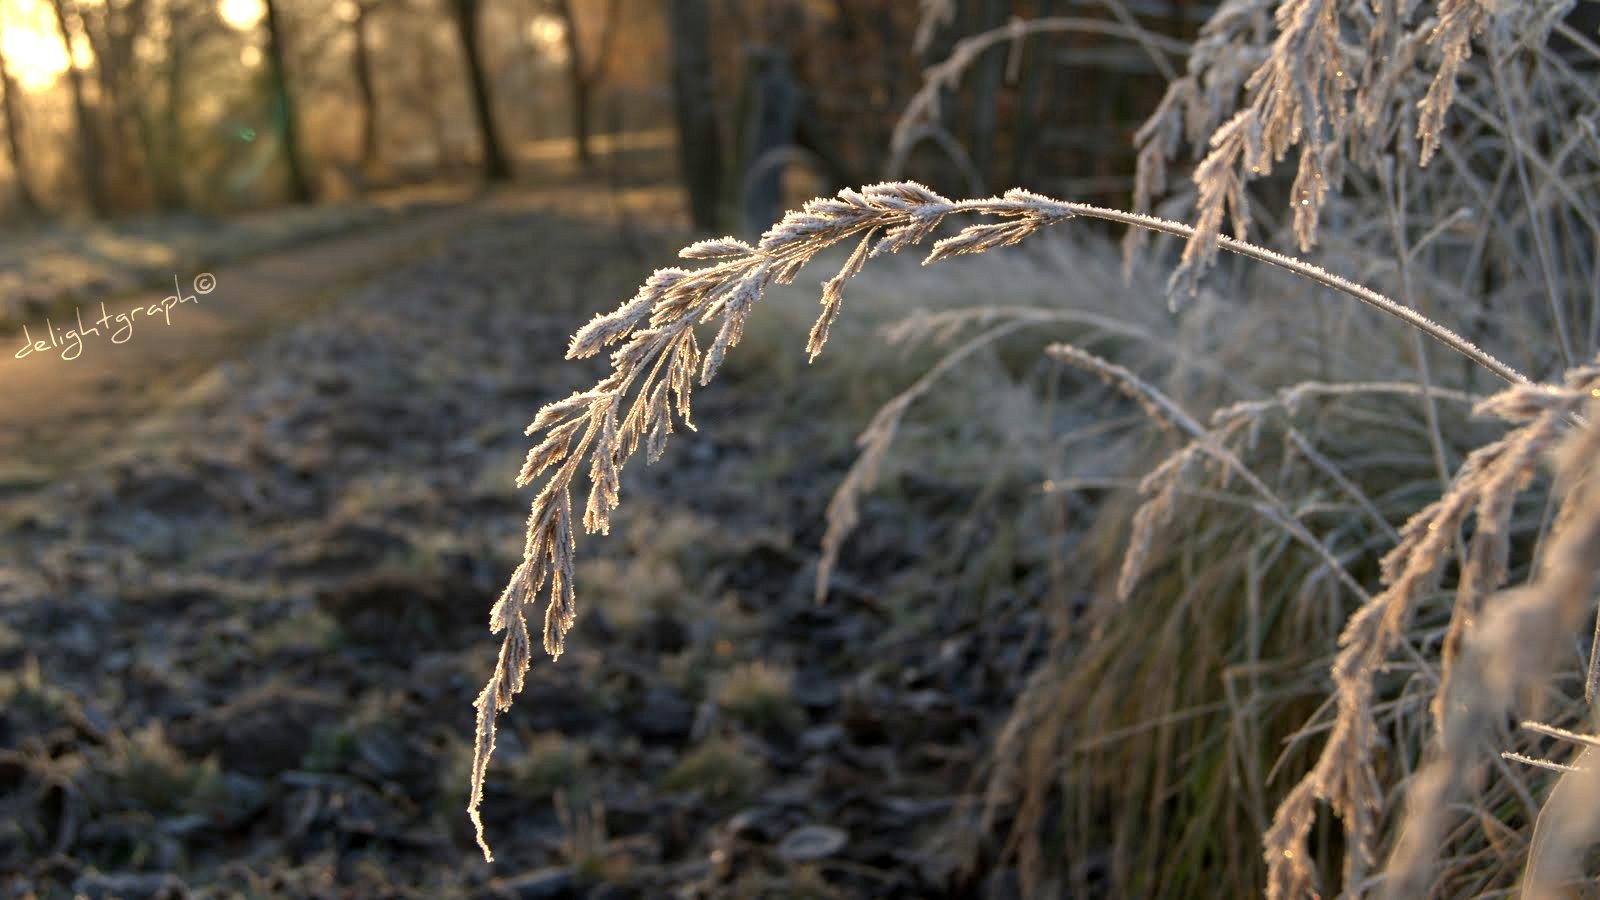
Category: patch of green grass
[306,629]
[760,695]
[144,771]
[32,700]
[332,748]
[11,640]
[721,770]
[630,591]
[553,762]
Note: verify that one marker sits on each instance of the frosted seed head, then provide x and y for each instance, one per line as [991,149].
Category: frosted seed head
[716,248]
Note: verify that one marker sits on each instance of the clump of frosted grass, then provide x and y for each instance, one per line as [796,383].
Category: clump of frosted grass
[660,358]
[1348,86]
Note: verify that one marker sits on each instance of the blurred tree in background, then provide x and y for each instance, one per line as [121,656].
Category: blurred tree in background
[114,107]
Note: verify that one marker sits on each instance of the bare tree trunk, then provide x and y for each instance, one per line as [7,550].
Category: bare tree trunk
[580,120]
[694,100]
[944,176]
[169,164]
[577,81]
[582,74]
[10,108]
[113,30]
[88,140]
[889,37]
[986,83]
[495,167]
[771,118]
[299,186]
[366,85]
[442,157]
[1036,67]
[1178,18]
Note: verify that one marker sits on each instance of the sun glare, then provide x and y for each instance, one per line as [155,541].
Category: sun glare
[241,15]
[547,29]
[36,59]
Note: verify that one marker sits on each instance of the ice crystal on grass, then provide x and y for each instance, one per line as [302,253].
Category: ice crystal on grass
[653,374]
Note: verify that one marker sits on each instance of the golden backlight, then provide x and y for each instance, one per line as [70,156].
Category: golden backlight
[32,45]
[241,14]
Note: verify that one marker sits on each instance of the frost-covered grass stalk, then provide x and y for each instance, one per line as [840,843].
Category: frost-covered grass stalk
[1358,91]
[659,359]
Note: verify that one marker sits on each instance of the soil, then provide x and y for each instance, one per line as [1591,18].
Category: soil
[245,571]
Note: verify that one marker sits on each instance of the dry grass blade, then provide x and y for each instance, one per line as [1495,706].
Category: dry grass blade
[922,110]
[1459,21]
[935,14]
[1568,825]
[1303,91]
[1163,409]
[651,383]
[654,369]
[658,356]
[1510,649]
[844,507]
[1588,740]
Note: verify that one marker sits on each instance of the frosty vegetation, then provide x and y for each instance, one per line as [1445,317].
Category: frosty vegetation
[1360,94]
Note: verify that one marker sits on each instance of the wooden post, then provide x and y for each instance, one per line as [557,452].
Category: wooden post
[694,103]
[769,128]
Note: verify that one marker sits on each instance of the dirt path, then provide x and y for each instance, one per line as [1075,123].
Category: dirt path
[81,387]
[60,400]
